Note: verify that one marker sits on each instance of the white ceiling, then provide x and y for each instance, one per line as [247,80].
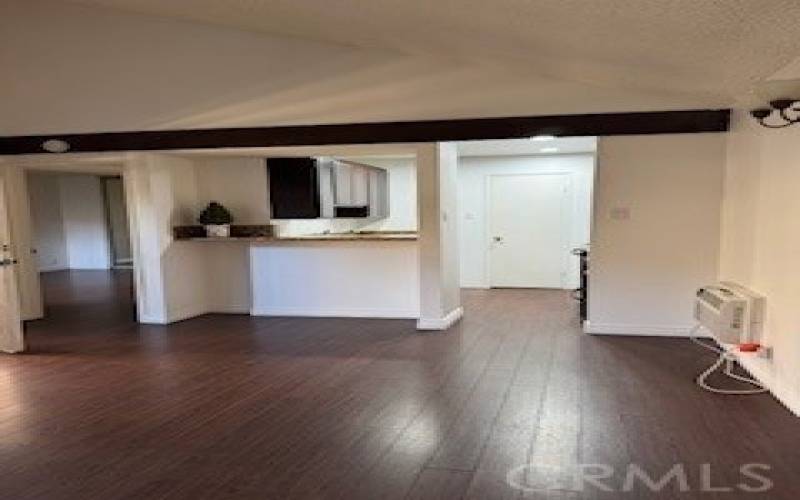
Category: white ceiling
[720,47]
[351,151]
[115,65]
[365,152]
[525,147]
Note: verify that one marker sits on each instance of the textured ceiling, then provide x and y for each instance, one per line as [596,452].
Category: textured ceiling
[111,65]
[516,147]
[720,47]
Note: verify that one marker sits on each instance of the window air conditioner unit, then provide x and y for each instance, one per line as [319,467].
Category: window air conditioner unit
[730,312]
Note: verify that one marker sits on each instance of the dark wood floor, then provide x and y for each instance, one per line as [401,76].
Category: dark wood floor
[237,407]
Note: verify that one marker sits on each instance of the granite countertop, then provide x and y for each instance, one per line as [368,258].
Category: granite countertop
[365,236]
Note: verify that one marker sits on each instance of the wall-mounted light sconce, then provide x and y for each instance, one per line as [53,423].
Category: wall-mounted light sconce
[786,110]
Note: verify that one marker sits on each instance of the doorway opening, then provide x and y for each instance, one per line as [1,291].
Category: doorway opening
[117,225]
[81,249]
[525,209]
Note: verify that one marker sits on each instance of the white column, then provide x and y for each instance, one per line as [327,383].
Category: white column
[437,188]
[150,297]
[170,276]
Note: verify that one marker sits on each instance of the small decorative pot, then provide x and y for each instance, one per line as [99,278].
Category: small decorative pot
[218,230]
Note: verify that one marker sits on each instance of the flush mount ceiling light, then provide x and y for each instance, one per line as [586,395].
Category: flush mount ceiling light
[55,146]
[548,150]
[786,112]
[542,138]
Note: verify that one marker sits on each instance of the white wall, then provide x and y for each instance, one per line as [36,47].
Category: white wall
[241,185]
[49,239]
[238,183]
[69,221]
[85,227]
[473,179]
[760,241]
[372,279]
[646,268]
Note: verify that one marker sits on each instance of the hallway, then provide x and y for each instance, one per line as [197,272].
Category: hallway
[83,303]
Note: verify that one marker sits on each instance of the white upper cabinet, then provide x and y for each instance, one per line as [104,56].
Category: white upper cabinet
[351,184]
[378,193]
[359,185]
[341,183]
[352,190]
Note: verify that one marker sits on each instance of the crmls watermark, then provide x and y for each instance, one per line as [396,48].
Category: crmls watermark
[752,478]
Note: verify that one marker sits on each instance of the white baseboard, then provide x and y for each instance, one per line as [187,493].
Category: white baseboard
[185,313]
[188,313]
[228,309]
[335,313]
[631,329]
[232,312]
[151,320]
[441,323]
[52,269]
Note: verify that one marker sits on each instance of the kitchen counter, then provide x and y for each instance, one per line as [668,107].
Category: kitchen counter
[340,275]
[373,236]
[369,274]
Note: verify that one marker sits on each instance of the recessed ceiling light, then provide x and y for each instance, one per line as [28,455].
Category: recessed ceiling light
[55,146]
[539,138]
[548,150]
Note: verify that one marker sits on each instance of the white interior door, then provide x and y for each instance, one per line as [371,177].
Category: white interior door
[529,230]
[18,210]
[11,339]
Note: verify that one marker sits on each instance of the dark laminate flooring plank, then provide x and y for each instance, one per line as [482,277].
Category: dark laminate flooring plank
[440,484]
[234,407]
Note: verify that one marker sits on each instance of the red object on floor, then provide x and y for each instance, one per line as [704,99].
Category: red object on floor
[749,347]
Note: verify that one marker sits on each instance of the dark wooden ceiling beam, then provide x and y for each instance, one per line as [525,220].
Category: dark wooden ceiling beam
[602,124]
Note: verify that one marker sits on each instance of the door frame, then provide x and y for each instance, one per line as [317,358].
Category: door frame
[488,230]
[92,164]
[15,341]
[112,250]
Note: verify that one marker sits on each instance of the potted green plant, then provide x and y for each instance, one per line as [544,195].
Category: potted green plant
[217,220]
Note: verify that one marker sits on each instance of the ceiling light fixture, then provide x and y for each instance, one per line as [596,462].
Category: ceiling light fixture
[787,110]
[542,138]
[55,146]
[548,150]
